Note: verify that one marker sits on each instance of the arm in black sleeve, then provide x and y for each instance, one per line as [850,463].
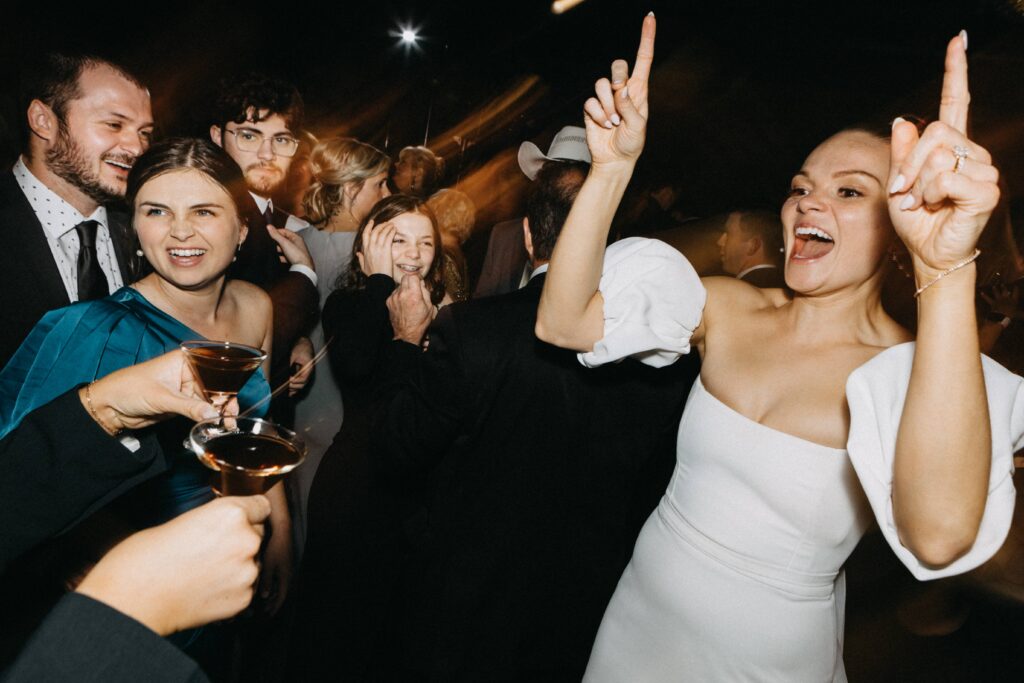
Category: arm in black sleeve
[360,327]
[295,300]
[59,466]
[420,401]
[86,641]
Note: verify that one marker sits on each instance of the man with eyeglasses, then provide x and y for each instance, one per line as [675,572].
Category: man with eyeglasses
[256,119]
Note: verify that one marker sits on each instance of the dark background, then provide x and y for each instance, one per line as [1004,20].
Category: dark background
[741,91]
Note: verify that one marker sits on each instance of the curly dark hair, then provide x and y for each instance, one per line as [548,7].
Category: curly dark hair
[241,100]
[383,211]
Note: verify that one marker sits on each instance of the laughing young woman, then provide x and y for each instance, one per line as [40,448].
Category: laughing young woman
[811,412]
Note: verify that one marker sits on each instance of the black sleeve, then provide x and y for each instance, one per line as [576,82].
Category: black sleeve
[360,327]
[419,401]
[295,301]
[59,466]
[86,641]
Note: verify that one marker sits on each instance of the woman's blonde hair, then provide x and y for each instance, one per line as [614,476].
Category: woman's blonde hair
[337,165]
[455,211]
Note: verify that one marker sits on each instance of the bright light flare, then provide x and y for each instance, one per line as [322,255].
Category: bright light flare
[409,37]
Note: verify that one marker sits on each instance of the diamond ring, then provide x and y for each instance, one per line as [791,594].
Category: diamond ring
[960,152]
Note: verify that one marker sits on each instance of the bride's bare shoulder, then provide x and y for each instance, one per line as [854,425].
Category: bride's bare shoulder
[732,294]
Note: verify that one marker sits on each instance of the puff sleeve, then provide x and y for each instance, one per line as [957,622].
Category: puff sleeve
[653,301]
[876,392]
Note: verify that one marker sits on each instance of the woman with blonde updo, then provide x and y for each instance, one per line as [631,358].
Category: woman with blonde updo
[418,172]
[348,178]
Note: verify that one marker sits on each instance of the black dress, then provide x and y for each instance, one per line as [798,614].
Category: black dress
[357,540]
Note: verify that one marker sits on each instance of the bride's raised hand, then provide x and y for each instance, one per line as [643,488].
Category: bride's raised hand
[616,117]
[943,187]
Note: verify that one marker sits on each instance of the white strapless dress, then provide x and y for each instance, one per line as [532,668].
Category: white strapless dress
[737,575]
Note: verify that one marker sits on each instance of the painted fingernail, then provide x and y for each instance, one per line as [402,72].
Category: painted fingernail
[963,37]
[897,184]
[907,202]
[616,120]
[608,124]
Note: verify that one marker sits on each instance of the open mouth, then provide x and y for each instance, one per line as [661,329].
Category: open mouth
[122,164]
[186,257]
[811,243]
[409,269]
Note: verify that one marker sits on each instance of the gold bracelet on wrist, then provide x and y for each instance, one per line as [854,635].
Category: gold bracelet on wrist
[956,266]
[95,416]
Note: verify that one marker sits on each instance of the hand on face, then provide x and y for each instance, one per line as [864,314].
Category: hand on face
[411,310]
[375,254]
[198,568]
[938,203]
[616,117]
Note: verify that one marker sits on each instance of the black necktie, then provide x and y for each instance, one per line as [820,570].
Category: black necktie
[92,283]
[268,216]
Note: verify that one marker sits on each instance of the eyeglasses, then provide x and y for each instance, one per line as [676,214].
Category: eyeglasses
[249,140]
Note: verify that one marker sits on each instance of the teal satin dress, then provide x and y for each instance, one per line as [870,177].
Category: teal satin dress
[85,341]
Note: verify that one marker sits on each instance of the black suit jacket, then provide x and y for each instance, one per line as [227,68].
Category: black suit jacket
[84,641]
[544,472]
[30,284]
[61,467]
[506,257]
[294,297]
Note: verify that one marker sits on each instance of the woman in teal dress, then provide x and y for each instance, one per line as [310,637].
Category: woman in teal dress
[189,208]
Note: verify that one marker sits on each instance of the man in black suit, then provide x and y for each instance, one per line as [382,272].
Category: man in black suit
[541,473]
[256,120]
[751,247]
[87,121]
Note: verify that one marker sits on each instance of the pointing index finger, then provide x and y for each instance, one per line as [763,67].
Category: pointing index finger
[956,98]
[645,53]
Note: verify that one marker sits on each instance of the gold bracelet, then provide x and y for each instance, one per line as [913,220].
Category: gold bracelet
[947,271]
[94,414]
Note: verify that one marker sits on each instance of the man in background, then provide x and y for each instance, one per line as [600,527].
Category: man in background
[751,248]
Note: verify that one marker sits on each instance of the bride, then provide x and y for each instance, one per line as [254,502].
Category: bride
[811,411]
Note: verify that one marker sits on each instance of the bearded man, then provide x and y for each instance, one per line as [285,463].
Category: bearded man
[65,240]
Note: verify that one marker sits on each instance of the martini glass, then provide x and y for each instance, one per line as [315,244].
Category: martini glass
[222,368]
[250,454]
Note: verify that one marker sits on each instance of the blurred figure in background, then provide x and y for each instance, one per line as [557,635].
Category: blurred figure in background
[418,172]
[456,215]
[751,248]
[348,178]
